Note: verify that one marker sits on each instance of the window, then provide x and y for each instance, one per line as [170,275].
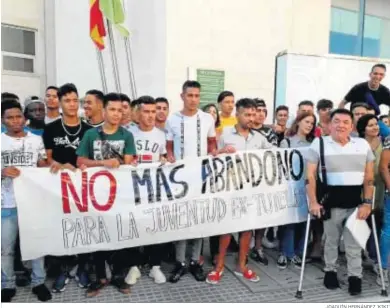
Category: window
[360,28]
[17,49]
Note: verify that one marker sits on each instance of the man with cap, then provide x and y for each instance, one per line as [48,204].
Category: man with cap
[34,112]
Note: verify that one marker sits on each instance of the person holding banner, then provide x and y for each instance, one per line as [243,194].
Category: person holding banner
[349,165]
[371,92]
[239,138]
[61,139]
[181,127]
[150,146]
[109,146]
[302,134]
[18,149]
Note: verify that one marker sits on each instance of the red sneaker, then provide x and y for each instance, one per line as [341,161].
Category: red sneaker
[248,274]
[214,277]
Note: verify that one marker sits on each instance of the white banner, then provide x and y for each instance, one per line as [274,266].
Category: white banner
[102,209]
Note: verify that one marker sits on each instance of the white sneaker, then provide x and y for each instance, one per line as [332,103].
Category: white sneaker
[157,275]
[385,278]
[133,275]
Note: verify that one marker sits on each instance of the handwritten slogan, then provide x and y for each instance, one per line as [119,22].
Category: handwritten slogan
[105,209]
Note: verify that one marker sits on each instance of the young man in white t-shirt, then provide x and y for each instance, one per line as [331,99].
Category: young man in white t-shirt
[150,146]
[190,133]
[18,149]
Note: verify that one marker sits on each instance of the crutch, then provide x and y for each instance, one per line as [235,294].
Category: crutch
[373,223]
[307,232]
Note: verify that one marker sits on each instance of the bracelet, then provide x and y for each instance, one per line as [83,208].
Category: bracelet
[367,201]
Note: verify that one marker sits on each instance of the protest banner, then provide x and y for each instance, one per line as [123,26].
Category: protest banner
[105,209]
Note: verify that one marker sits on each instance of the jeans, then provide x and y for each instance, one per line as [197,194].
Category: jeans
[385,235]
[287,242]
[9,233]
[371,249]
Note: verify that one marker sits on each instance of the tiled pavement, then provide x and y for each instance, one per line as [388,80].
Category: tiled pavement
[275,286]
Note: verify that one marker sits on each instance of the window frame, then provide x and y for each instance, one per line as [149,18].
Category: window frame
[20,55]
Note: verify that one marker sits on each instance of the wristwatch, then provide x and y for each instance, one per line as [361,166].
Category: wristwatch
[367,201]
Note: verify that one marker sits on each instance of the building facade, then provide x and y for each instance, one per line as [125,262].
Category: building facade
[230,44]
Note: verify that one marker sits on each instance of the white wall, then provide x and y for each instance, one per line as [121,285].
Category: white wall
[242,38]
[27,14]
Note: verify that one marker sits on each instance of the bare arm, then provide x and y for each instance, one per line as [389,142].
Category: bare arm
[211,145]
[89,163]
[368,184]
[311,187]
[342,103]
[128,159]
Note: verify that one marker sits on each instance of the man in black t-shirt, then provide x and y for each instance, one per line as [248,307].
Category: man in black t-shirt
[62,138]
[371,92]
[258,123]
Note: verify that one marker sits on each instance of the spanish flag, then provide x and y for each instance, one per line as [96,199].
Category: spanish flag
[97,30]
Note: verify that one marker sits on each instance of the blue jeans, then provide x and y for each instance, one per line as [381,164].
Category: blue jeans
[288,239]
[9,232]
[385,235]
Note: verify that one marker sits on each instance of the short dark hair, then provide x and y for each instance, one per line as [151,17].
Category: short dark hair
[146,100]
[207,107]
[381,65]
[362,124]
[341,111]
[357,105]
[383,116]
[125,98]
[9,96]
[280,108]
[259,102]
[306,103]
[223,95]
[134,103]
[162,100]
[51,88]
[111,97]
[324,104]
[66,89]
[9,104]
[98,94]
[190,84]
[245,103]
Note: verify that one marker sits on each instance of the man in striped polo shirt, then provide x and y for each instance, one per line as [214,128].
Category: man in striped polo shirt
[349,164]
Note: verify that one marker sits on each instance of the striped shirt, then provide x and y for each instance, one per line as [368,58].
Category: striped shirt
[345,165]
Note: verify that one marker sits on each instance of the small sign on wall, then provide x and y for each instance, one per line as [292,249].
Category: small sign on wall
[212,82]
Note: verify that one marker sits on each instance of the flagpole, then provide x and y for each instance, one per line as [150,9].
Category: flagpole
[129,58]
[101,70]
[130,68]
[113,57]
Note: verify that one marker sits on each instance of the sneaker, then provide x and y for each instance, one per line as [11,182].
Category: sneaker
[385,278]
[60,283]
[157,275]
[248,275]
[330,280]
[282,261]
[95,287]
[297,261]
[214,277]
[179,270]
[133,275]
[7,295]
[197,271]
[268,244]
[258,256]
[82,280]
[42,292]
[354,285]
[121,285]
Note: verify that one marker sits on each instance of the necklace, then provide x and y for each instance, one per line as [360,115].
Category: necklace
[67,132]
